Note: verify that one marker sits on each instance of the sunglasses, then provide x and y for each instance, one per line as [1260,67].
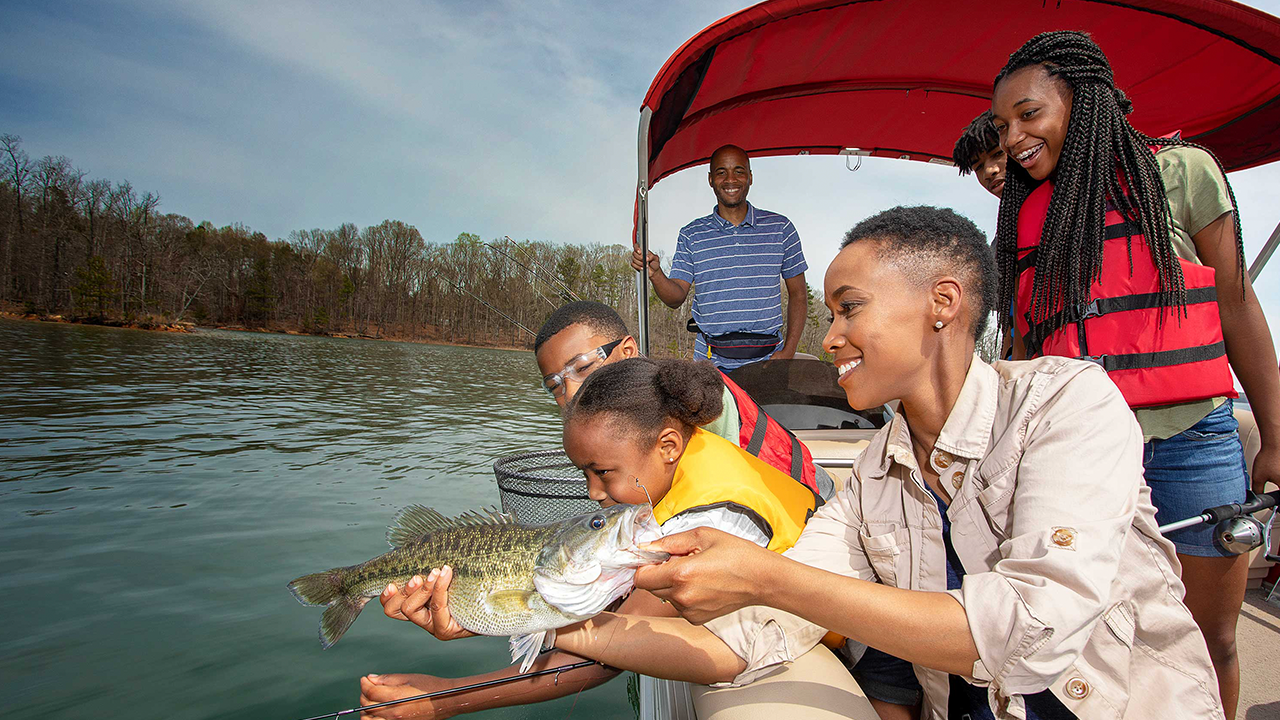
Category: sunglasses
[578,368]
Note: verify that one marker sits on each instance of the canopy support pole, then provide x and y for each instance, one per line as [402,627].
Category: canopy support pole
[1260,261]
[642,232]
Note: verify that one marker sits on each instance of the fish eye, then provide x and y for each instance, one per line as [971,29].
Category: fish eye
[597,522]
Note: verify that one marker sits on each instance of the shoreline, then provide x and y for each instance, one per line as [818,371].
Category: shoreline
[190,327]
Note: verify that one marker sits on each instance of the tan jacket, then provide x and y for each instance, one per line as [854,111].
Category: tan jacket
[1068,586]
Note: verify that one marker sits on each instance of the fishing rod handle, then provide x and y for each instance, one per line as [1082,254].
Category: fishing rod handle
[1253,504]
[452,691]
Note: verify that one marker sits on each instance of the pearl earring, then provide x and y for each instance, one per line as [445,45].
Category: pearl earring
[937,325]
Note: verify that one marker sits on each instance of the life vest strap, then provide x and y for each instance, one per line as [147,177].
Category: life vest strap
[797,462]
[1163,358]
[757,442]
[1110,232]
[1037,332]
[758,434]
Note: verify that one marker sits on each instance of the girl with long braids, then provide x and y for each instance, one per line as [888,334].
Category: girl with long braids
[1123,249]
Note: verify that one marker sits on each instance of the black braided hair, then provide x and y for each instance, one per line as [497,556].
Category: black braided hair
[1070,255]
[645,394]
[978,139]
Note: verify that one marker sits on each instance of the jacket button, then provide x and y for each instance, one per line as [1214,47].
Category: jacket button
[1064,537]
[941,460]
[1077,688]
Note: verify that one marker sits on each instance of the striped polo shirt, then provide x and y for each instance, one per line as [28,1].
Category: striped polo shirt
[734,271]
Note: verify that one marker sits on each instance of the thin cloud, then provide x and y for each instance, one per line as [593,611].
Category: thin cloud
[495,118]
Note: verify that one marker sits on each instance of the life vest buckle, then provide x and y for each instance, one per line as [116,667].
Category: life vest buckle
[1100,360]
[1090,310]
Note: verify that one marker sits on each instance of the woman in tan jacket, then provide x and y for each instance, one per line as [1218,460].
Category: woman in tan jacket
[997,533]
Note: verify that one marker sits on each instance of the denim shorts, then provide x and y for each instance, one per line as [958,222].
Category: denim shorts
[1199,468]
[886,678]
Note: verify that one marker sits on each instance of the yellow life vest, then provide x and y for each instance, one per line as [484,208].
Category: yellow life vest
[714,472]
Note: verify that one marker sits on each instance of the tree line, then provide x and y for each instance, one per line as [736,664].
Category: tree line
[95,250]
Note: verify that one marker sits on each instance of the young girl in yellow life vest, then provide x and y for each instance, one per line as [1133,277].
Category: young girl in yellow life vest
[634,430]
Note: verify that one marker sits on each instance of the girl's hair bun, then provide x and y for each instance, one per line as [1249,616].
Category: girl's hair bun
[691,391]
[644,393]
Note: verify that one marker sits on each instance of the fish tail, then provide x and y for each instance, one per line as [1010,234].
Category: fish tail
[320,588]
[338,617]
[328,588]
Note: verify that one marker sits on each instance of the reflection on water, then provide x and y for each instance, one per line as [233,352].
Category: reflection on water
[157,491]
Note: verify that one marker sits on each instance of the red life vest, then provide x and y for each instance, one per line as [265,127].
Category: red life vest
[1153,353]
[768,440]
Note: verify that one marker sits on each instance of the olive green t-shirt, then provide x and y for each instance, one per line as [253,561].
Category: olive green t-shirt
[1197,195]
[728,425]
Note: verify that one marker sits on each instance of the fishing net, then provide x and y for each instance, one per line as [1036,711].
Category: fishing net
[542,487]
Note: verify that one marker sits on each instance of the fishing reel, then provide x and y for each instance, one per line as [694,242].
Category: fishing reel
[1239,535]
[1236,531]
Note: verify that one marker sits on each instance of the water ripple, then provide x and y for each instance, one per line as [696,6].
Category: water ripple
[181,480]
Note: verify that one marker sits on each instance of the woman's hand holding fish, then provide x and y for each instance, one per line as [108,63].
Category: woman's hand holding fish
[376,689]
[710,573]
[425,603]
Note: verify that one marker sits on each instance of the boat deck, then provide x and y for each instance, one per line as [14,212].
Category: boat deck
[1258,643]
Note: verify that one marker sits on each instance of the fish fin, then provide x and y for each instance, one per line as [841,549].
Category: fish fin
[320,588]
[337,618]
[502,602]
[415,522]
[529,646]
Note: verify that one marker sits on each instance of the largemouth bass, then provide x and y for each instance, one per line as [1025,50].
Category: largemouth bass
[508,579]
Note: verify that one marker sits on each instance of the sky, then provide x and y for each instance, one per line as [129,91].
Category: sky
[497,118]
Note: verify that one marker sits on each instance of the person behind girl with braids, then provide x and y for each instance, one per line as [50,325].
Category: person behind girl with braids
[1133,259]
[978,151]
[634,427]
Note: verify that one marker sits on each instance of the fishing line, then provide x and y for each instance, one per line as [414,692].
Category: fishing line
[651,507]
[464,688]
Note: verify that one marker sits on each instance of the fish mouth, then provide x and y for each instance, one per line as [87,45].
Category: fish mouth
[643,528]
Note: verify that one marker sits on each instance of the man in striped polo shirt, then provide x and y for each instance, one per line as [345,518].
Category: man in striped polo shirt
[733,259]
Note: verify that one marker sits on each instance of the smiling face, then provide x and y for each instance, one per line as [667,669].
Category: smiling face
[881,331]
[989,169]
[1032,110]
[730,177]
[612,459]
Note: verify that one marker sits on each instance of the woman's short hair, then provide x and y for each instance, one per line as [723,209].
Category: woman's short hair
[927,243]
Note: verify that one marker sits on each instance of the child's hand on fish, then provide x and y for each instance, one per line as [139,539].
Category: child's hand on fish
[376,689]
[710,573]
[425,603]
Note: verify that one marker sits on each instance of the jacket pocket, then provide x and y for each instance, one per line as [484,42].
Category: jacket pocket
[995,501]
[1120,622]
[890,556]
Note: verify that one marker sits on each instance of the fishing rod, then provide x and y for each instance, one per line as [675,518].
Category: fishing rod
[528,269]
[554,280]
[1237,531]
[482,301]
[451,691]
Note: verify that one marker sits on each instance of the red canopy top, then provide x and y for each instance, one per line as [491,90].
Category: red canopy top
[902,78]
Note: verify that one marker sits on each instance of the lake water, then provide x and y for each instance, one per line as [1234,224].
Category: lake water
[157,492]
